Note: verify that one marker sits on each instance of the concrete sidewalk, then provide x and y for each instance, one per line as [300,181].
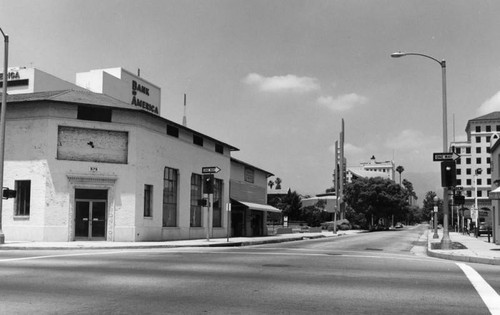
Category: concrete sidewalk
[217,242]
[477,250]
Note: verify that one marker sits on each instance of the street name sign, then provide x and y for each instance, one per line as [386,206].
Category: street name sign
[445,156]
[210,169]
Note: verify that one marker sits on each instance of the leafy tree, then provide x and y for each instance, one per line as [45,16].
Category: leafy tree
[428,207]
[377,197]
[291,204]
[315,215]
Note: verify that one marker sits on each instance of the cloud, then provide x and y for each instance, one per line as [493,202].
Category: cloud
[411,141]
[490,105]
[287,83]
[342,102]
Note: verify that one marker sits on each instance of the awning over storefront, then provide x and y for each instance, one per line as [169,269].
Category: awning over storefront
[257,206]
[495,194]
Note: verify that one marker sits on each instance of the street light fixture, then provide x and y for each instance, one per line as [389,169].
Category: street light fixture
[445,242]
[3,109]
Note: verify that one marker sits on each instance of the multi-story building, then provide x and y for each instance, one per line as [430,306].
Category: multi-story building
[474,164]
[373,168]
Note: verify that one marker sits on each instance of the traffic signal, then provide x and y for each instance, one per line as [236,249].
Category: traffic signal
[448,174]
[208,184]
[8,193]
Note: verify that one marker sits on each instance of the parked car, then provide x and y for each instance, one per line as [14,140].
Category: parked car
[483,228]
[399,225]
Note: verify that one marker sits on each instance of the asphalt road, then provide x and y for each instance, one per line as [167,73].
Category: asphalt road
[370,273]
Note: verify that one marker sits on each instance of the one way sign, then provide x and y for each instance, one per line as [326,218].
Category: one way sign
[210,169]
[446,156]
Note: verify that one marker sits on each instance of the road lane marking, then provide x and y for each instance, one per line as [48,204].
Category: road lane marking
[486,292]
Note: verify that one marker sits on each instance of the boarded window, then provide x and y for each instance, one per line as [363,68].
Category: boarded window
[94,113]
[93,145]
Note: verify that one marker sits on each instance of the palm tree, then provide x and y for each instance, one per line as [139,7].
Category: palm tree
[278,183]
[270,184]
[400,170]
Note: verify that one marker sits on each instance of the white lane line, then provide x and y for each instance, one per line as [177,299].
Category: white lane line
[486,292]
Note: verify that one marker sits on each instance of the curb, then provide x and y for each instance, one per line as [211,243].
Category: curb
[221,244]
[461,258]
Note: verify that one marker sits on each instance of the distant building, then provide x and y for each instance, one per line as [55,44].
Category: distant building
[371,169]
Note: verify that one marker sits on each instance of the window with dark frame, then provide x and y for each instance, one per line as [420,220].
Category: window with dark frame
[478,139]
[478,128]
[196,193]
[148,200]
[170,184]
[23,197]
[217,203]
[488,128]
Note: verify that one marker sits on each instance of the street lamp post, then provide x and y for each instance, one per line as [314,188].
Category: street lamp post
[445,242]
[477,172]
[3,109]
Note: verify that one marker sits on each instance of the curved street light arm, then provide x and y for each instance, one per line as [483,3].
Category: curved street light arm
[402,54]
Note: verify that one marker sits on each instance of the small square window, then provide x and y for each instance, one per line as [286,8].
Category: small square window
[219,148]
[478,149]
[488,128]
[468,161]
[198,140]
[467,150]
[469,182]
[478,160]
[172,131]
[478,128]
[478,139]
[468,171]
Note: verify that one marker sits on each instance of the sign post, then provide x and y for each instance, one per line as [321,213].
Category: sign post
[228,210]
[208,190]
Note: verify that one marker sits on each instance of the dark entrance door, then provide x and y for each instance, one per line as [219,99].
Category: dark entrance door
[90,216]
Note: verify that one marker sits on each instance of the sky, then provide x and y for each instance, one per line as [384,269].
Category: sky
[275,78]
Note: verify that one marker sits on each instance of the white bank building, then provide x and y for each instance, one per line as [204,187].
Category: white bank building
[88,166]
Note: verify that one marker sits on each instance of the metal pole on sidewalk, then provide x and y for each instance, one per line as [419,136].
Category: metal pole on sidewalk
[2,126]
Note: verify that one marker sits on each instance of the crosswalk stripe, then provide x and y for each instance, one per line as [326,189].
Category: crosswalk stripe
[486,292]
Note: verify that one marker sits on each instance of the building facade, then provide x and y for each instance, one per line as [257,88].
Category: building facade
[248,193]
[87,166]
[474,173]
